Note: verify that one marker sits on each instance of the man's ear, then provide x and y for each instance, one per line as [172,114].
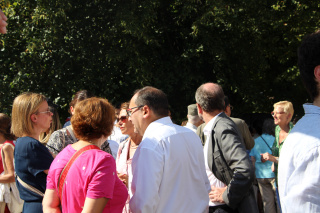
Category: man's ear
[146,112]
[200,111]
[71,110]
[317,73]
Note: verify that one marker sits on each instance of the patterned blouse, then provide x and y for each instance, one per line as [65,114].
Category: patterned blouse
[63,137]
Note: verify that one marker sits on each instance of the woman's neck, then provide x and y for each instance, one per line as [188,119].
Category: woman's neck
[285,128]
[80,144]
[34,135]
[135,139]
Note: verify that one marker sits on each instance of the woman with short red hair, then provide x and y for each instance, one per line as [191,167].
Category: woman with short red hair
[91,183]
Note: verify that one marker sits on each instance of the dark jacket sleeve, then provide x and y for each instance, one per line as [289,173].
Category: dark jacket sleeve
[238,161]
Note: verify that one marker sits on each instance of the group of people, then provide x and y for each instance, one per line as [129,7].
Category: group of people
[161,166]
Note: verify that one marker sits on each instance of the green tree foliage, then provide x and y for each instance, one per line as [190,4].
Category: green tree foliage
[114,47]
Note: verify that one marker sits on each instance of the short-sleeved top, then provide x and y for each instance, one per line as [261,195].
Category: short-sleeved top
[262,145]
[31,158]
[93,175]
[61,138]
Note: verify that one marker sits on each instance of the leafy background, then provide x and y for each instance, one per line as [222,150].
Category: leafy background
[115,47]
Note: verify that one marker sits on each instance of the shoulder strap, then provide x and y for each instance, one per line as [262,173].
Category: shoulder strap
[71,133]
[65,170]
[266,143]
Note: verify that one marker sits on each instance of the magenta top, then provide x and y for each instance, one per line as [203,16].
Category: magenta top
[92,175]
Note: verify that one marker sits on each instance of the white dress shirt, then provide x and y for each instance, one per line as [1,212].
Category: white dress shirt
[299,165]
[207,130]
[168,171]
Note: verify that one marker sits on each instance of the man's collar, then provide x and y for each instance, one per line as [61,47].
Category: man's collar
[207,129]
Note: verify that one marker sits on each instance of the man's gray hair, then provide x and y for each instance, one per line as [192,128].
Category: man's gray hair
[210,99]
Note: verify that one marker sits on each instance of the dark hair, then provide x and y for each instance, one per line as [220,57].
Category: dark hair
[268,126]
[155,99]
[212,99]
[226,102]
[93,118]
[80,96]
[5,125]
[125,105]
[308,59]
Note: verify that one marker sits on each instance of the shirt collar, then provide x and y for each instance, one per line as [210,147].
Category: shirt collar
[154,125]
[309,108]
[207,129]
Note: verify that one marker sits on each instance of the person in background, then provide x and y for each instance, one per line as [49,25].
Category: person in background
[79,96]
[299,173]
[59,139]
[91,184]
[282,114]
[55,124]
[193,118]
[126,150]
[168,166]
[3,23]
[116,134]
[7,147]
[241,125]
[264,175]
[31,117]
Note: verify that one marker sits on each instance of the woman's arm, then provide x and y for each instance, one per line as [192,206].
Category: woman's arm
[51,202]
[8,157]
[94,205]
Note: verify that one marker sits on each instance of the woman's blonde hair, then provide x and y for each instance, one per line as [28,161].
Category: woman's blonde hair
[287,107]
[23,107]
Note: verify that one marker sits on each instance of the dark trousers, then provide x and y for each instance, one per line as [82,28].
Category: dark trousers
[221,209]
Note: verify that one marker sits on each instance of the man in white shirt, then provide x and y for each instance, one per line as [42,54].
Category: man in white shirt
[193,118]
[168,166]
[299,162]
[228,167]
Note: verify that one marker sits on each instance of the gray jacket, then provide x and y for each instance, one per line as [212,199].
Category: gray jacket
[229,162]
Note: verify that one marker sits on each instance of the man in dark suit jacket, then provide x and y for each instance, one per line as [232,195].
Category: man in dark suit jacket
[225,154]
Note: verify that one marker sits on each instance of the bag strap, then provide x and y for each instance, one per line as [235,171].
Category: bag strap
[24,184]
[70,131]
[266,143]
[65,170]
[27,186]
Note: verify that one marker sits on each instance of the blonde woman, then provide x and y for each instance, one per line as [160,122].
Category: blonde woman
[282,115]
[55,125]
[31,117]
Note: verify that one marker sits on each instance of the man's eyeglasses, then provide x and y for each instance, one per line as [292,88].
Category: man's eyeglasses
[48,112]
[129,111]
[123,119]
[277,113]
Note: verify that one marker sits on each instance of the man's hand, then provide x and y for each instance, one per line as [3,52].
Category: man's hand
[216,194]
[3,23]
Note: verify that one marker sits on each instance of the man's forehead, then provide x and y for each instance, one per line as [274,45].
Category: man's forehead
[132,101]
